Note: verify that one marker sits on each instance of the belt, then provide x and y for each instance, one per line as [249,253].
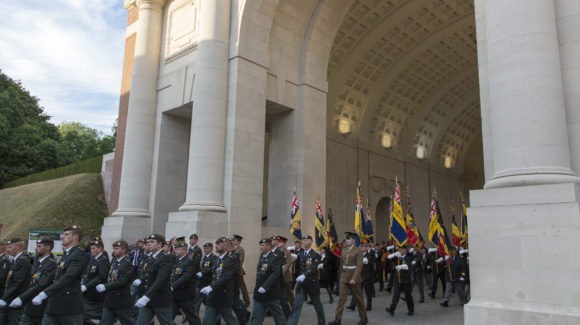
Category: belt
[349,267]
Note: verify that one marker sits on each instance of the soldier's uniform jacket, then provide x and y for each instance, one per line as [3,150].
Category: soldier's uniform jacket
[207,264]
[309,262]
[181,279]
[18,278]
[64,295]
[423,263]
[351,264]
[41,276]
[403,276]
[296,264]
[287,268]
[142,273]
[437,267]
[118,293]
[279,254]
[4,268]
[222,284]
[241,257]
[157,286]
[268,277]
[196,255]
[368,270]
[237,272]
[95,273]
[378,263]
[456,269]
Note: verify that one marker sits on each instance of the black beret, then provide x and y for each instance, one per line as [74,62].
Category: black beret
[349,234]
[207,245]
[266,241]
[306,237]
[157,237]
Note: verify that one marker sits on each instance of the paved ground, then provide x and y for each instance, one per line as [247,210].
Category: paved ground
[426,313]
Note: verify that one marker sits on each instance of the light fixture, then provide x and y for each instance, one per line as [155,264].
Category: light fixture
[387,141]
[344,126]
[420,152]
[448,162]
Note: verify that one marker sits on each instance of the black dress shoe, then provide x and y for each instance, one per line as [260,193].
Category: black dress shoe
[350,307]
[309,302]
[330,300]
[432,295]
[404,299]
[444,304]
[363,321]
[389,290]
[421,301]
[335,322]
[390,311]
[410,313]
[369,308]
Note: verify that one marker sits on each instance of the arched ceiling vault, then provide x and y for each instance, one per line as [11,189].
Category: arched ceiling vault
[407,69]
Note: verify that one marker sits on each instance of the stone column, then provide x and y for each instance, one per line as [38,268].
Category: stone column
[205,173]
[528,117]
[133,213]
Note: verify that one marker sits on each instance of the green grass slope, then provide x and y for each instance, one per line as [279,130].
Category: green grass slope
[54,204]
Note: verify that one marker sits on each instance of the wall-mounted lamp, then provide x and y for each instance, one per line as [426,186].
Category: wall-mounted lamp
[387,141]
[420,152]
[448,162]
[344,126]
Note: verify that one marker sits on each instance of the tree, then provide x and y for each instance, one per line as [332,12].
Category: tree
[82,142]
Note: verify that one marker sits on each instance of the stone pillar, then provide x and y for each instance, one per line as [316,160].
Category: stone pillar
[204,212]
[528,117]
[205,173]
[133,209]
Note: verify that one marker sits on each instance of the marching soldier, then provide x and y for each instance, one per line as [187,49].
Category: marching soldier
[296,266]
[307,283]
[65,299]
[156,300]
[95,273]
[289,259]
[220,292]
[350,278]
[117,289]
[402,280]
[204,275]
[438,269]
[242,314]
[422,271]
[138,285]
[4,267]
[237,239]
[368,276]
[378,267]
[16,283]
[281,255]
[268,292]
[41,276]
[455,278]
[328,272]
[182,284]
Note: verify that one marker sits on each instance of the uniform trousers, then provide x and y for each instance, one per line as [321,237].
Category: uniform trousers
[92,310]
[406,288]
[299,302]
[367,286]
[188,310]
[123,315]
[420,279]
[259,312]
[213,314]
[71,319]
[289,293]
[30,320]
[438,276]
[163,314]
[285,304]
[242,314]
[199,298]
[244,291]
[459,288]
[10,316]
[356,294]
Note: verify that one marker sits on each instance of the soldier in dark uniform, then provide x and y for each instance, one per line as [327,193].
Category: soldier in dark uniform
[16,283]
[156,300]
[378,266]
[307,283]
[438,269]
[4,267]
[204,275]
[220,292]
[268,292]
[389,269]
[328,272]
[368,276]
[289,259]
[42,274]
[118,301]
[350,278]
[138,285]
[239,307]
[238,249]
[95,273]
[402,280]
[422,271]
[455,278]
[297,249]
[182,275]
[65,299]
[281,255]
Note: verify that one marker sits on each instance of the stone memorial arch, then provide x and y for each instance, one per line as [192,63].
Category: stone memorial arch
[228,105]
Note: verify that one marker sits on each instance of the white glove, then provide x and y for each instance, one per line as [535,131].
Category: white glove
[432,250]
[320,266]
[398,268]
[404,267]
[206,290]
[411,250]
[365,260]
[101,288]
[290,248]
[198,274]
[39,298]
[136,283]
[261,290]
[142,302]
[463,251]
[83,288]
[300,278]
[16,303]
[461,279]
[414,262]
[398,254]
[294,256]
[439,260]
[2,303]
[447,257]
[391,256]
[390,248]
[428,267]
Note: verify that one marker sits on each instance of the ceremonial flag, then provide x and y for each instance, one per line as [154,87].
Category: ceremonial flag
[320,234]
[368,226]
[455,234]
[295,225]
[398,226]
[463,226]
[433,225]
[332,235]
[444,242]
[412,230]
[358,216]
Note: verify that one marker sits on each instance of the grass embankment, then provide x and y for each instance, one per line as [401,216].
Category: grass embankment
[54,204]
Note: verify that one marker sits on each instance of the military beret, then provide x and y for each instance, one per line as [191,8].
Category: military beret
[306,237]
[266,241]
[45,241]
[298,241]
[180,239]
[181,244]
[282,239]
[453,248]
[193,236]
[73,227]
[274,238]
[221,240]
[121,243]
[207,245]
[96,242]
[157,237]
[349,235]
[167,243]
[14,240]
[237,237]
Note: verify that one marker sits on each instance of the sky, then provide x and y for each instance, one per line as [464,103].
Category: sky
[67,53]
